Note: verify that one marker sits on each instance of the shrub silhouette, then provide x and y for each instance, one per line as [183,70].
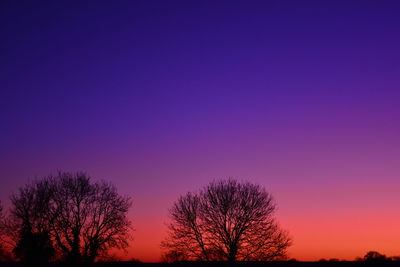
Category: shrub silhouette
[34,248]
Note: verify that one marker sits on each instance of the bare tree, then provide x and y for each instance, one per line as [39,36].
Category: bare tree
[83,219]
[226,220]
[31,206]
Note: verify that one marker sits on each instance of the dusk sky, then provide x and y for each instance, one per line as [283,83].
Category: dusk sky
[162,97]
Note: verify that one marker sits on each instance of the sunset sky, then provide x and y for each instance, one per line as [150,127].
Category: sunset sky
[162,97]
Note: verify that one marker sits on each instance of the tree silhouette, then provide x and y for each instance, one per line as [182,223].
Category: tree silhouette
[226,220]
[83,219]
[374,256]
[173,256]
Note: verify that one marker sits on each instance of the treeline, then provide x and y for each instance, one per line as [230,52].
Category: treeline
[375,256]
[70,218]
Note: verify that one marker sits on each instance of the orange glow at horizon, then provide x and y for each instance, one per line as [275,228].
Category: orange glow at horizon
[320,229]
[312,241]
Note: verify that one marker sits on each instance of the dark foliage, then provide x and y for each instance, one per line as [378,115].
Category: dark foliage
[375,256]
[35,248]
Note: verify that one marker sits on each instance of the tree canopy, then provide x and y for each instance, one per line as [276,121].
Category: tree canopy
[81,219]
[225,220]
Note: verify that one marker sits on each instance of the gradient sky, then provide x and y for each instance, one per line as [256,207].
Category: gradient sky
[161,97]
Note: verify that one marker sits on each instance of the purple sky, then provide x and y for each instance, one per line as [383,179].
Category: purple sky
[160,97]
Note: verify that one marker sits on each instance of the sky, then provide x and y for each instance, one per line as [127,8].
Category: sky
[162,97]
